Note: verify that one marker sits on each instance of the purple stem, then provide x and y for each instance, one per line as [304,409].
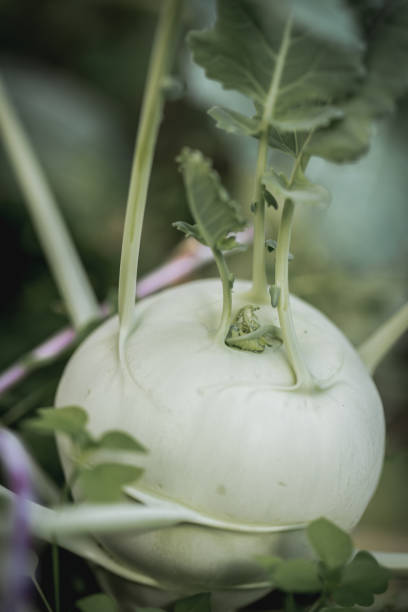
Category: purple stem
[15,574]
[190,257]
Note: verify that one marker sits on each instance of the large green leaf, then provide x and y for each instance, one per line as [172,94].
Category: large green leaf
[215,213]
[254,49]
[287,134]
[385,82]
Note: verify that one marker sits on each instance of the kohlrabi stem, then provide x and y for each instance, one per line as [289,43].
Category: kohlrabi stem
[290,341]
[226,296]
[52,232]
[152,107]
[376,347]
[259,290]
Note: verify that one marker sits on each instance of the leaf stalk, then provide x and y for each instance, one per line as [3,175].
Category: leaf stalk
[56,242]
[259,287]
[225,275]
[290,341]
[151,114]
[376,347]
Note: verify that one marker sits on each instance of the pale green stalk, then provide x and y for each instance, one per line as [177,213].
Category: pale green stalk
[226,296]
[290,340]
[52,232]
[303,376]
[259,291]
[151,114]
[376,347]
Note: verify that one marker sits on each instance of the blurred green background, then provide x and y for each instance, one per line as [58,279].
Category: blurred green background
[75,71]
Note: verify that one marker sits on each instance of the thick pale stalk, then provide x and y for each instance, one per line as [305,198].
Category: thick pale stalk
[259,288]
[376,347]
[50,227]
[143,158]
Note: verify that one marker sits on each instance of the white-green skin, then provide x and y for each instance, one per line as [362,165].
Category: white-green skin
[225,438]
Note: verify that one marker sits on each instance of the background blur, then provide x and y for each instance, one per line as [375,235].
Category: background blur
[75,71]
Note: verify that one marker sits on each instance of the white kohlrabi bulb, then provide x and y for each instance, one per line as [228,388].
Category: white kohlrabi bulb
[224,437]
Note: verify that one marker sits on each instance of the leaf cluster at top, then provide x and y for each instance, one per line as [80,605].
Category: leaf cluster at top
[306,69]
[99,480]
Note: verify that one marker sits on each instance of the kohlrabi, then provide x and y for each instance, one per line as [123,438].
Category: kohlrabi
[257,413]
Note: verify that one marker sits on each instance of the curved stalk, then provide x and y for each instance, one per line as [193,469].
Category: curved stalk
[259,291]
[225,321]
[151,114]
[49,224]
[302,374]
[376,347]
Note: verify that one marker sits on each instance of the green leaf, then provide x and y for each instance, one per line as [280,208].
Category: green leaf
[137,609]
[385,82]
[119,440]
[234,122]
[196,603]
[252,40]
[189,230]
[302,191]
[345,140]
[298,576]
[104,482]
[97,603]
[215,213]
[70,420]
[333,545]
[361,579]
[306,119]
